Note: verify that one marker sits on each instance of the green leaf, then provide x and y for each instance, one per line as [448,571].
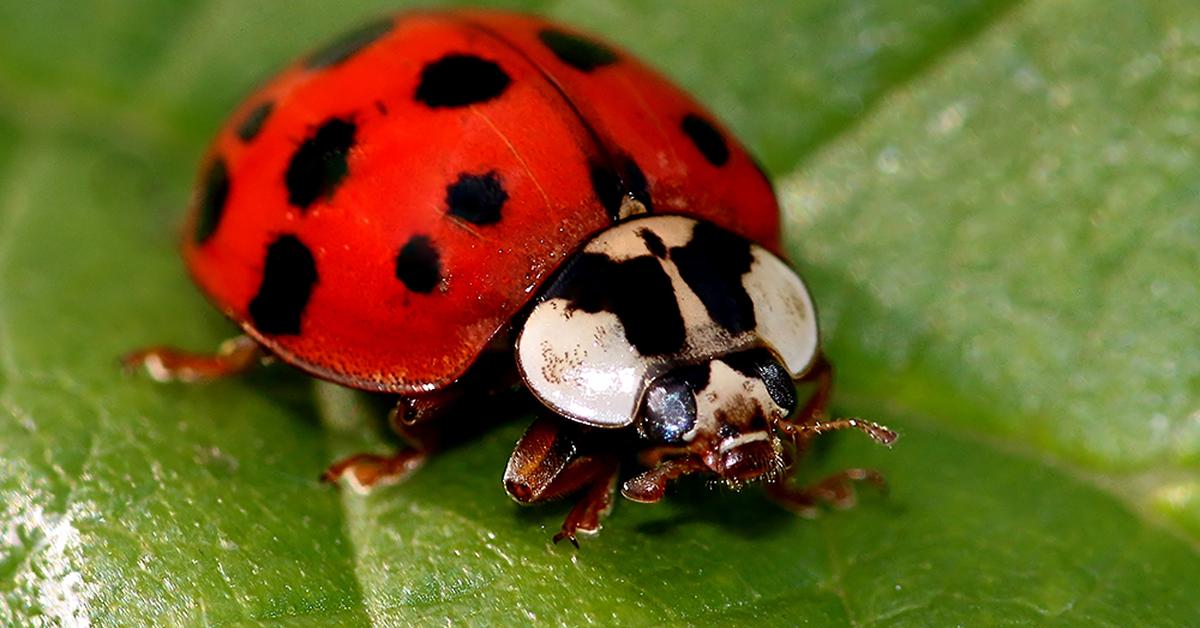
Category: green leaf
[996,207]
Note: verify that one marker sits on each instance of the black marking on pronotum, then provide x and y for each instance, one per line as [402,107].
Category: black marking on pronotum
[637,291]
[319,164]
[214,192]
[712,264]
[707,139]
[458,80]
[696,376]
[579,52]
[760,364]
[253,122]
[349,44]
[612,186]
[477,198]
[653,243]
[419,265]
[289,274]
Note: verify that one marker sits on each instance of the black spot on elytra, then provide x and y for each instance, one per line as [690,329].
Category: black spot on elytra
[707,139]
[249,128]
[638,291]
[760,364]
[579,52]
[613,185]
[349,44]
[289,274]
[476,198]
[419,265]
[712,264]
[636,184]
[608,189]
[319,164]
[654,243]
[458,80]
[213,195]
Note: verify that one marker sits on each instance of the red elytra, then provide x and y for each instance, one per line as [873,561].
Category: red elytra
[359,271]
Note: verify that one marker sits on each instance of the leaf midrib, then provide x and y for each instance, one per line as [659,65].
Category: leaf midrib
[822,139]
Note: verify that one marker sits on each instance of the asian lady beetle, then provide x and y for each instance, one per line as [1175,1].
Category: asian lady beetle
[398,210]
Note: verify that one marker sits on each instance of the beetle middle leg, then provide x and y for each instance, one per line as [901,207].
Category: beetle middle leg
[430,422]
[548,464]
[365,471]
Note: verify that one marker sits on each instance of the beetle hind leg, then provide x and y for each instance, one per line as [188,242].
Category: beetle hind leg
[366,471]
[167,364]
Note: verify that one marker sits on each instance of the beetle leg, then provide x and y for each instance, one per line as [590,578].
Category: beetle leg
[546,465]
[651,486]
[815,408]
[836,490]
[598,475]
[165,364]
[364,472]
[483,392]
[490,382]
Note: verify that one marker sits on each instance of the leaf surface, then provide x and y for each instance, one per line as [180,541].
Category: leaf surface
[996,208]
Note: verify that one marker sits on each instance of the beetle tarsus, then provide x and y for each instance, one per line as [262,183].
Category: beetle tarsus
[570,537]
[836,490]
[168,364]
[368,471]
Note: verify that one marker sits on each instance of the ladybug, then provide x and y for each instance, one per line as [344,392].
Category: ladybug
[446,206]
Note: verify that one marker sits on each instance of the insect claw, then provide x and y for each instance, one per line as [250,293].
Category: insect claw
[568,536]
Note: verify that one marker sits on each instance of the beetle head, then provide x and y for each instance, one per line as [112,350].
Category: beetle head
[723,413]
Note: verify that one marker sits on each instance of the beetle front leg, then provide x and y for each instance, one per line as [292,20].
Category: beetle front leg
[546,465]
[817,405]
[836,490]
[812,419]
[166,364]
[651,486]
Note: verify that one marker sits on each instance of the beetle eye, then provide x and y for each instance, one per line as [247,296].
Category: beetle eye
[762,365]
[669,412]
[779,384]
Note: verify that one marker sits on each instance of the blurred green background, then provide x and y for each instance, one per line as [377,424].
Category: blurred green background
[997,205]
